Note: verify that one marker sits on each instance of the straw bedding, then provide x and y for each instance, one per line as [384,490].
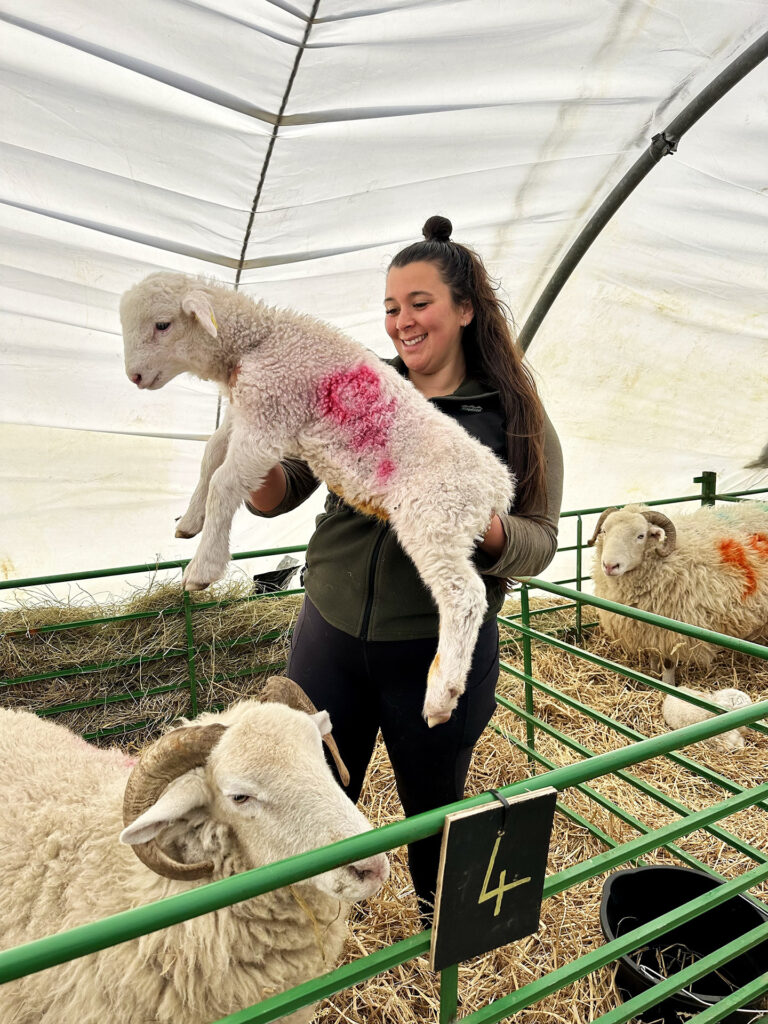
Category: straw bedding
[569,922]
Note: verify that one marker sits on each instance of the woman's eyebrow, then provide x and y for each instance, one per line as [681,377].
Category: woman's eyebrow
[410,295]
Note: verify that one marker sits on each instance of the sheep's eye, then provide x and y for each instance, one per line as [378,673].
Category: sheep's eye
[641,536]
[163,325]
[240,798]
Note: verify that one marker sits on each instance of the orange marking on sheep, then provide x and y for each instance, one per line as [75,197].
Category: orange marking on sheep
[366,507]
[733,553]
[759,543]
[232,379]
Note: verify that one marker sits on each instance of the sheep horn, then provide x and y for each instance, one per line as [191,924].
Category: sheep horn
[168,758]
[282,690]
[659,519]
[600,521]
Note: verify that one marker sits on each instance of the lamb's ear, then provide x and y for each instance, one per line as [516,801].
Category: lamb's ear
[180,797]
[323,722]
[198,305]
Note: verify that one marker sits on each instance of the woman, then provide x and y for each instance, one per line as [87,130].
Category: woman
[367,631]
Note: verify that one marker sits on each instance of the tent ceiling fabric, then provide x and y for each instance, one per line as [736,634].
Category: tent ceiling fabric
[137,138]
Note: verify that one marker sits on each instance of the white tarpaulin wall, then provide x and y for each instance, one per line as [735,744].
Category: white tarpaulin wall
[143,136]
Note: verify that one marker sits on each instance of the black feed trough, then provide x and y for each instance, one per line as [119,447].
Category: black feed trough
[636,896]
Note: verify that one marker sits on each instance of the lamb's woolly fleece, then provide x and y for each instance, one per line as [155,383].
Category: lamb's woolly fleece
[698,583]
[300,388]
[60,816]
[678,713]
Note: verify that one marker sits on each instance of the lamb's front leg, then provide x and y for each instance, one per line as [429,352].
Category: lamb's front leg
[229,486]
[191,523]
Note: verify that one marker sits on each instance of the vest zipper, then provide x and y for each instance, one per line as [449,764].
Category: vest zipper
[371,575]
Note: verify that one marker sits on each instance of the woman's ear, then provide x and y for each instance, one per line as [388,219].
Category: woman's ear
[467,313]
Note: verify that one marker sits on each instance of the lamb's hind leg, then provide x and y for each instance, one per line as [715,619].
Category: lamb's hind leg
[447,569]
[239,474]
[191,523]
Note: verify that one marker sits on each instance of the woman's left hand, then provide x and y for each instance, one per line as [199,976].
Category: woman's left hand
[494,540]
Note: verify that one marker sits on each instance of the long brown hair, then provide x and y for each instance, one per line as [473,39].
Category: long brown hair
[490,352]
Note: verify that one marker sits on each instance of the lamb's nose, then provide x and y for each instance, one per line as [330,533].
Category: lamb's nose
[610,568]
[136,378]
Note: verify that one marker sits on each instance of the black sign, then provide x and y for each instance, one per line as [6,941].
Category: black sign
[491,877]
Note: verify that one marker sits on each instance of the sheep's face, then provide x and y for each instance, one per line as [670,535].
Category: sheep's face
[165,322]
[268,787]
[623,541]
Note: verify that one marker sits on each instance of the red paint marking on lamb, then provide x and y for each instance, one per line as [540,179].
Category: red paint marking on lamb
[353,400]
[733,553]
[384,470]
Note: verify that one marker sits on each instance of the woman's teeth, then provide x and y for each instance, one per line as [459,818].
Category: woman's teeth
[413,341]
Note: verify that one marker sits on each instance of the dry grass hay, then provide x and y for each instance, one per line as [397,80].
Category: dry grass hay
[259,630]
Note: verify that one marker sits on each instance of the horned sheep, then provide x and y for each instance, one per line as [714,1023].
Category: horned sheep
[678,713]
[211,798]
[709,569]
[299,388]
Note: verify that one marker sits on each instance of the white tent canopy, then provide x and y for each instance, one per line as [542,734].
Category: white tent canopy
[293,148]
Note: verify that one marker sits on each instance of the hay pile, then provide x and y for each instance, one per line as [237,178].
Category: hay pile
[570,921]
[238,635]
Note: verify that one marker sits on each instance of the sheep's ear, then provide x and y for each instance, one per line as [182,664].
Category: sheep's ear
[180,797]
[198,305]
[323,722]
[658,533]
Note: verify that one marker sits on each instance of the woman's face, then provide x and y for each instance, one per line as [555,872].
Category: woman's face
[422,319]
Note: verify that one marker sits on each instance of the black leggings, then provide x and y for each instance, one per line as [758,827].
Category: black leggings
[369,685]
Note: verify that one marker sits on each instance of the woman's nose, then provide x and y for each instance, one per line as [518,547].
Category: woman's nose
[404,320]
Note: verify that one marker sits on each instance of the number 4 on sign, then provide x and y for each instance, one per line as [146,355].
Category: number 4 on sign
[503,886]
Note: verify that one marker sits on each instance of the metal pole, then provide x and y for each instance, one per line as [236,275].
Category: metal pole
[665,142]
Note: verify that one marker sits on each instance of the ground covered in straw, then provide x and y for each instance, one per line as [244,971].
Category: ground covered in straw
[243,641]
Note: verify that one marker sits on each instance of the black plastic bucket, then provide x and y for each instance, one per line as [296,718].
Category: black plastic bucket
[638,895]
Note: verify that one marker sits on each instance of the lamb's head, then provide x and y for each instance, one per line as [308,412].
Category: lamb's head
[243,789]
[624,537]
[168,326]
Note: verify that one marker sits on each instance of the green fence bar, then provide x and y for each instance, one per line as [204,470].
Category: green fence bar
[675,625]
[648,790]
[449,994]
[191,674]
[528,665]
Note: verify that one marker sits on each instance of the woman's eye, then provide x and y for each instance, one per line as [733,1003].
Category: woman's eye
[163,325]
[390,312]
[419,305]
[240,798]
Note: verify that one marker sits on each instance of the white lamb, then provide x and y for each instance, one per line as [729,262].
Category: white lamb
[300,388]
[215,797]
[708,570]
[678,713]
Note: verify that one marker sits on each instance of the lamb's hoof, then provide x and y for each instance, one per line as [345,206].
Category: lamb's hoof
[194,579]
[187,528]
[195,585]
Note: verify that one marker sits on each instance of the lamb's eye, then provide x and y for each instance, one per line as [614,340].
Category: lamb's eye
[240,798]
[163,325]
[641,536]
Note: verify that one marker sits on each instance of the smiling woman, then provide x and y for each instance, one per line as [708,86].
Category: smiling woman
[367,632]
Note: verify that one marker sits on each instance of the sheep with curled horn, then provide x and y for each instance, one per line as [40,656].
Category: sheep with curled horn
[211,798]
[709,568]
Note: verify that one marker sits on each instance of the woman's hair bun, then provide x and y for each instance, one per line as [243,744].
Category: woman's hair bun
[437,229]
